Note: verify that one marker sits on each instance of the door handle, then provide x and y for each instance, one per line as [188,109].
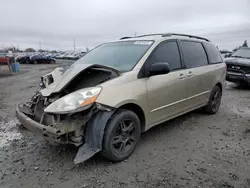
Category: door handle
[182,76]
[189,74]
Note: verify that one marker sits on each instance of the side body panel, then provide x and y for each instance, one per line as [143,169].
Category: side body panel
[197,92]
[215,73]
[123,90]
[202,81]
[166,96]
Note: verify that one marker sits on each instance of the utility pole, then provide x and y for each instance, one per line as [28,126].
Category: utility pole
[40,45]
[74,43]
[135,34]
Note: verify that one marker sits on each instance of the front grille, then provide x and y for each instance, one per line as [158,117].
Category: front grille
[238,68]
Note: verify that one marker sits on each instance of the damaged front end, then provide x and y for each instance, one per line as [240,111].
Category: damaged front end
[67,113]
[61,128]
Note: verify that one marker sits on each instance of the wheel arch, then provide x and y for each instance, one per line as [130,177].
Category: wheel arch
[220,86]
[138,111]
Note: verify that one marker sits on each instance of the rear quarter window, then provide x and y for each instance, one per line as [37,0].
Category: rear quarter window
[213,53]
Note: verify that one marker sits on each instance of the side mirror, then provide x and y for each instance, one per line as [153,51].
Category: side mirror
[159,68]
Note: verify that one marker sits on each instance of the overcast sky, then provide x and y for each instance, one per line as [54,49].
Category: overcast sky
[55,23]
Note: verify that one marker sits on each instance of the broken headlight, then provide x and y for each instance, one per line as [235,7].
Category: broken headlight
[75,101]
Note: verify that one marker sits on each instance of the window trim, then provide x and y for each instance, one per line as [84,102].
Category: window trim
[143,73]
[181,48]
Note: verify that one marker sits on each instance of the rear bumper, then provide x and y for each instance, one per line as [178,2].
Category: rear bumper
[47,132]
[237,77]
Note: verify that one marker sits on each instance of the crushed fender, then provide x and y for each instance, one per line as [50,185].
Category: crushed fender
[94,136]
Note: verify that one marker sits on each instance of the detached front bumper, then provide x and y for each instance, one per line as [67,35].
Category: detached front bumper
[237,76]
[47,132]
[93,134]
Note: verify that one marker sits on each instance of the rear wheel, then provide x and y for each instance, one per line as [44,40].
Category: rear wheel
[35,62]
[214,101]
[121,135]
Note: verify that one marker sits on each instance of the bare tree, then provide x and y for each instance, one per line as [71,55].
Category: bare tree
[30,50]
[245,44]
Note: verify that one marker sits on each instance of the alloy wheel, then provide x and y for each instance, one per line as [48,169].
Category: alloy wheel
[216,98]
[124,138]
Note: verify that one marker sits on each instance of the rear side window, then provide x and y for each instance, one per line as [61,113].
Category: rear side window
[213,53]
[167,52]
[194,54]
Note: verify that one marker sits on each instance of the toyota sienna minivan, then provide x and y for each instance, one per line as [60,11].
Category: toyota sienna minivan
[104,101]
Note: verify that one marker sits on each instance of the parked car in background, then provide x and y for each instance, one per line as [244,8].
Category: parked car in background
[82,54]
[61,56]
[72,56]
[23,58]
[40,58]
[3,58]
[226,53]
[35,58]
[116,91]
[3,54]
[238,66]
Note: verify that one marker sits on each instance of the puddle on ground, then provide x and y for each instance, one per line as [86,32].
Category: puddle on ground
[9,132]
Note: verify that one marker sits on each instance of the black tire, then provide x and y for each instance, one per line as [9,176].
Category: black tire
[121,136]
[34,62]
[214,101]
[243,85]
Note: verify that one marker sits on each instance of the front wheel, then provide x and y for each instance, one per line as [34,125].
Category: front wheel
[243,85]
[121,135]
[214,101]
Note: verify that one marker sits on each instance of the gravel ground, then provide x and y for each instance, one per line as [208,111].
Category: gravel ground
[194,150]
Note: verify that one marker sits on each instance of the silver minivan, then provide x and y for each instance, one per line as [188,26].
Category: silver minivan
[105,100]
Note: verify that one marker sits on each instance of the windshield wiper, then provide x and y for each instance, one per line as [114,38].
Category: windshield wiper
[241,57]
[237,56]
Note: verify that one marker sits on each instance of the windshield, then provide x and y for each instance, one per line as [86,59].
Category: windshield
[242,52]
[120,55]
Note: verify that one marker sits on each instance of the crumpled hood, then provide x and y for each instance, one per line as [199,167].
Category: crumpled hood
[63,75]
[238,61]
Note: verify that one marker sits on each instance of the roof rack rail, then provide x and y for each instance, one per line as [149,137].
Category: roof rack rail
[184,35]
[150,35]
[168,35]
[142,36]
[125,38]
